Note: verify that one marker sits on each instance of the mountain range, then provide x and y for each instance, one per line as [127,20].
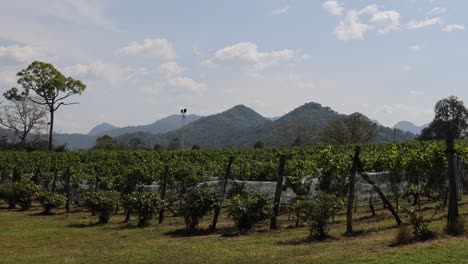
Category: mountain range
[241,126]
[407,126]
[238,126]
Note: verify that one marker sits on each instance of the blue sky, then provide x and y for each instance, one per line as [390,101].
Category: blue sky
[144,60]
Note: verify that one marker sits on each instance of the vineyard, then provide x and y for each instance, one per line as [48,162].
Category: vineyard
[179,185]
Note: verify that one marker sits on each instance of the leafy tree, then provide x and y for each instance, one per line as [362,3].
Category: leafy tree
[23,116]
[158,147]
[108,143]
[451,121]
[196,147]
[49,85]
[136,144]
[259,144]
[353,129]
[174,144]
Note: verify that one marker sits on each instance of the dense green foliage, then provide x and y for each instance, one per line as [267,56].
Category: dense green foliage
[104,203]
[143,204]
[317,213]
[249,209]
[50,200]
[197,203]
[422,164]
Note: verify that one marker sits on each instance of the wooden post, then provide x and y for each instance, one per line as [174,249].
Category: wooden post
[371,204]
[385,201]
[227,176]
[68,190]
[351,193]
[452,216]
[163,193]
[279,189]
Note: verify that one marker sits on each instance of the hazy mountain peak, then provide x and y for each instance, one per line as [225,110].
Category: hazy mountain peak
[408,126]
[101,129]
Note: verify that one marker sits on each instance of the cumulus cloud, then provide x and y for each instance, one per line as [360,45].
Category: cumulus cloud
[152,48]
[351,26]
[333,7]
[280,11]
[7,79]
[15,54]
[169,69]
[453,27]
[386,21]
[415,24]
[185,83]
[247,54]
[83,12]
[437,10]
[108,72]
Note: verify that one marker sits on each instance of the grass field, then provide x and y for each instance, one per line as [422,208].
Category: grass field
[29,237]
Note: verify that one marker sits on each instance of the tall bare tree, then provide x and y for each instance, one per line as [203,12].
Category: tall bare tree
[23,116]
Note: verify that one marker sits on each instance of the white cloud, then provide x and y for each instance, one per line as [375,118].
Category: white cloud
[83,12]
[333,7]
[15,54]
[437,10]
[453,27]
[247,54]
[415,48]
[7,79]
[280,11]
[185,83]
[152,48]
[414,24]
[108,72]
[169,69]
[351,27]
[386,21]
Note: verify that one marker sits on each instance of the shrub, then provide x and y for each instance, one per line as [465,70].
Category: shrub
[420,230]
[50,200]
[104,203]
[198,202]
[298,210]
[8,195]
[237,188]
[143,204]
[21,193]
[249,209]
[318,211]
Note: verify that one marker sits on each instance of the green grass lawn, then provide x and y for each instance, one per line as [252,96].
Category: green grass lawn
[28,237]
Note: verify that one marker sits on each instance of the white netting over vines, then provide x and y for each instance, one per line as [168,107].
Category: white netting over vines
[363,189]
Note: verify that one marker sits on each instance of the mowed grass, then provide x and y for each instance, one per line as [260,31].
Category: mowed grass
[29,237]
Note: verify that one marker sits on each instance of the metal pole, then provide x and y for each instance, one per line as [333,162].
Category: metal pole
[183,121]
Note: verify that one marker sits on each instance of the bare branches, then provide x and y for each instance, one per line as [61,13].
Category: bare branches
[23,116]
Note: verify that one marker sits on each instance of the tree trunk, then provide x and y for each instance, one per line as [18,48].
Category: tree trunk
[227,176]
[163,193]
[51,129]
[385,201]
[68,190]
[279,189]
[351,192]
[452,217]
[371,204]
